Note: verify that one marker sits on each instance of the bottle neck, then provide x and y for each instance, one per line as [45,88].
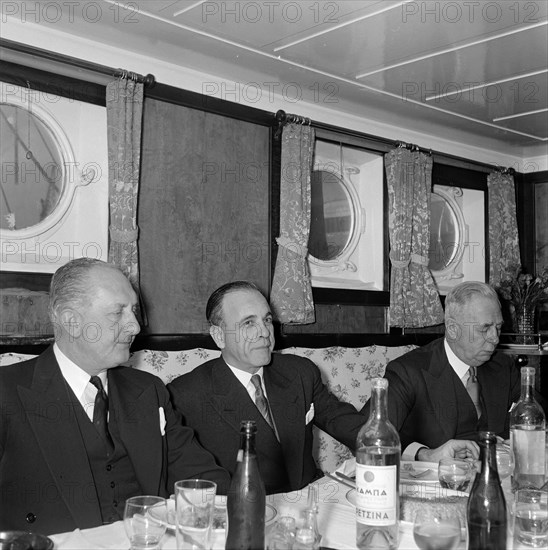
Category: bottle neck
[247,443]
[379,403]
[527,384]
[488,459]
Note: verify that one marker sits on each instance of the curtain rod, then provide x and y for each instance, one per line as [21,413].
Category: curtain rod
[79,64]
[281,118]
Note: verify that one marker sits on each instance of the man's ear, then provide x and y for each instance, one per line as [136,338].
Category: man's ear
[71,322]
[452,330]
[218,335]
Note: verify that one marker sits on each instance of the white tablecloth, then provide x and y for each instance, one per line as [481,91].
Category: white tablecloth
[336,522]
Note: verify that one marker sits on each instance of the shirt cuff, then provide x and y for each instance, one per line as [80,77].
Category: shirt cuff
[411,450]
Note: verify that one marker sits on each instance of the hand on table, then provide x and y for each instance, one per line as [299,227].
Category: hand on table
[454,448]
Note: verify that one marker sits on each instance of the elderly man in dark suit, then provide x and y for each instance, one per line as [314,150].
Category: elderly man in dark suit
[284,394]
[78,434]
[442,394]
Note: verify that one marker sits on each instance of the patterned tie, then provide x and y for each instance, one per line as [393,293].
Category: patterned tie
[100,412]
[260,400]
[473,389]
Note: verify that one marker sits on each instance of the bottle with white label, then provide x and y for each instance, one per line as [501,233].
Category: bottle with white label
[527,436]
[378,452]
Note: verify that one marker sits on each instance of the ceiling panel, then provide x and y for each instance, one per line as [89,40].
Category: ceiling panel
[442,68]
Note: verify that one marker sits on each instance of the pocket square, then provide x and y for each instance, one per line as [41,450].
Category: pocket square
[162,421]
[309,415]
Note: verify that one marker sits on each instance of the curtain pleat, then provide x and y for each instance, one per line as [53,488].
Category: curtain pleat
[291,294]
[414,299]
[124,102]
[504,254]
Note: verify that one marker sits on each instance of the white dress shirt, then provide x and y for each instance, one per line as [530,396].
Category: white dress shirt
[79,381]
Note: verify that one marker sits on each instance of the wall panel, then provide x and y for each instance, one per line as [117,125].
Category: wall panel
[203,211]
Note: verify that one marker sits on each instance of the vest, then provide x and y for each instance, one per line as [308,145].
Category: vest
[468,423]
[114,476]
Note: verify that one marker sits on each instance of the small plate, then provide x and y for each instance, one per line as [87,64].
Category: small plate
[219,517]
[416,467]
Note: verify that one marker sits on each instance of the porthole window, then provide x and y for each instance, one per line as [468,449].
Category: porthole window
[332,216]
[344,248]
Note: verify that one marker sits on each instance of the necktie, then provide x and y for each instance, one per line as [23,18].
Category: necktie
[100,411]
[473,389]
[260,400]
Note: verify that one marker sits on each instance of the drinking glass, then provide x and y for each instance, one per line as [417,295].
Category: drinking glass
[503,461]
[144,521]
[195,506]
[531,517]
[436,529]
[455,474]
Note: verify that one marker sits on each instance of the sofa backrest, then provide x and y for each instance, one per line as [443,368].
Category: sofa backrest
[347,373]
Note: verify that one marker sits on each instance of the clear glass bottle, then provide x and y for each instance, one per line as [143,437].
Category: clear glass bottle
[246,496]
[527,436]
[378,453]
[486,504]
[308,537]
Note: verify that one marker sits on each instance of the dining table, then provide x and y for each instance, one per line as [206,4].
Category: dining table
[336,519]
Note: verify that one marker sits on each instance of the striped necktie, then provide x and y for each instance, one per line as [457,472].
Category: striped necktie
[473,389]
[261,401]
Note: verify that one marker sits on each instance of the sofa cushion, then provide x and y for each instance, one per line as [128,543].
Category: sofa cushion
[10,358]
[347,373]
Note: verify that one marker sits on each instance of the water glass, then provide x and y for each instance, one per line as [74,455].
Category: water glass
[195,507]
[455,474]
[144,521]
[503,461]
[436,529]
[531,517]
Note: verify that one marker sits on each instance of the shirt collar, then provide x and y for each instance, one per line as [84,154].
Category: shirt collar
[459,366]
[245,377]
[76,377]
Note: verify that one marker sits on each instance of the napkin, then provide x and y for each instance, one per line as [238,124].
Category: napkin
[348,467]
[111,536]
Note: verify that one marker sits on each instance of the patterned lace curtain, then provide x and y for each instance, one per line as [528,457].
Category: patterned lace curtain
[124,119]
[414,299]
[291,294]
[504,253]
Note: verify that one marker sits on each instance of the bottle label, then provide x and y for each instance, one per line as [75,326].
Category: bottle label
[376,494]
[529,448]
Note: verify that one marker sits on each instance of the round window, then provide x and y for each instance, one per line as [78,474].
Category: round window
[446,232]
[332,216]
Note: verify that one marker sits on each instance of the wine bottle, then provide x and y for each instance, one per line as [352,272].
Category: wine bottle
[527,436]
[246,496]
[378,452]
[486,504]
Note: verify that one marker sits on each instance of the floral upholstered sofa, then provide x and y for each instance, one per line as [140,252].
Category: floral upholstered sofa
[346,371]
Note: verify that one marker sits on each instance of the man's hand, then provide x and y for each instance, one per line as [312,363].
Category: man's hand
[454,448]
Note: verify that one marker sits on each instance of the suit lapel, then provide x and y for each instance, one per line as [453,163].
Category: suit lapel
[438,377]
[230,399]
[49,408]
[134,407]
[288,409]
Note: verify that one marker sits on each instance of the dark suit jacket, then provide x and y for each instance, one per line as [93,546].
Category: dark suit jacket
[213,402]
[44,469]
[426,397]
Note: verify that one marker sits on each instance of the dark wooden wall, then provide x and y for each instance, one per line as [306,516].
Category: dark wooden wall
[203,211]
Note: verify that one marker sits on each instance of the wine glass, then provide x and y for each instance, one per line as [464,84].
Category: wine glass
[145,521]
[436,529]
[456,474]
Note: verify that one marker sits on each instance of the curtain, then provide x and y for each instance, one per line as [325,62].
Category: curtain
[124,102]
[291,294]
[414,299]
[504,254]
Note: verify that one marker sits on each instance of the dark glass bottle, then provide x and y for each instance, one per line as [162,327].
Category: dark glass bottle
[486,504]
[246,496]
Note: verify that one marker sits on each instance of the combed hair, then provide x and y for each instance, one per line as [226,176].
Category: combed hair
[461,295]
[214,307]
[70,284]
